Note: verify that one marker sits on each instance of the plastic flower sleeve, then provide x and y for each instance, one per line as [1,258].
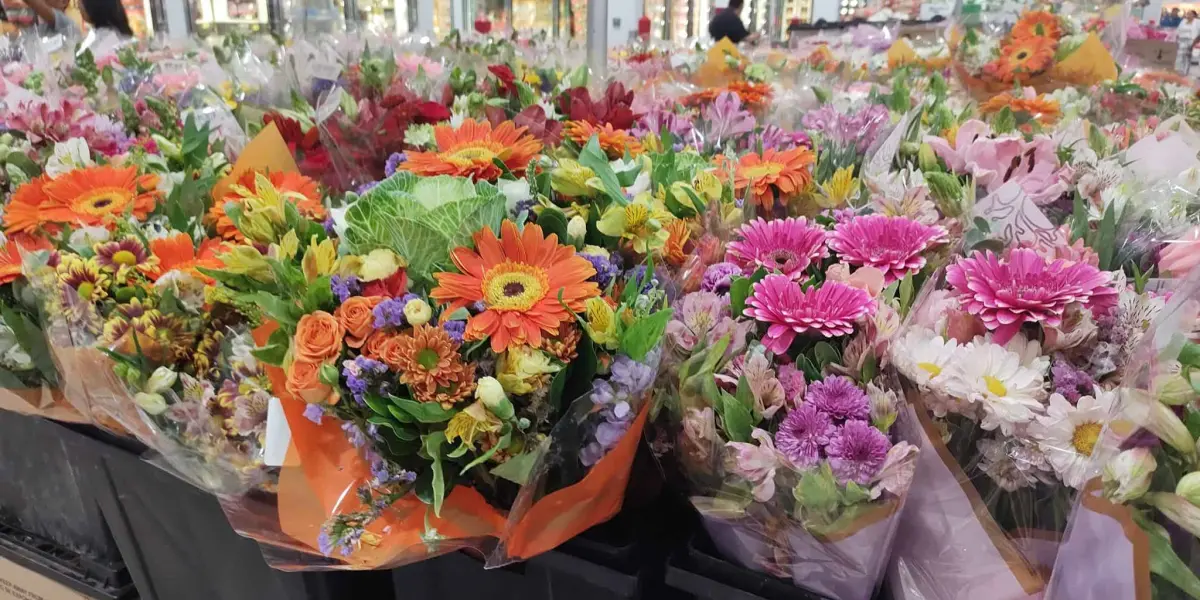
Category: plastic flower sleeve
[1141,499]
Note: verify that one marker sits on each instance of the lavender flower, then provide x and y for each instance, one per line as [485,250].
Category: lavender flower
[344,287]
[366,187]
[726,118]
[324,543]
[858,130]
[361,373]
[615,421]
[638,273]
[1070,381]
[354,434]
[803,434]
[455,329]
[631,376]
[393,162]
[856,452]
[330,230]
[603,393]
[718,277]
[839,397]
[606,268]
[654,121]
[390,312]
[314,412]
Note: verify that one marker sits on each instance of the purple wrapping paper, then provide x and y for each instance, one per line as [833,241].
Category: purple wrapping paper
[1104,555]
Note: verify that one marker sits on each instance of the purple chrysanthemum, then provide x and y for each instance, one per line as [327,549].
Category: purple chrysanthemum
[344,287]
[393,162]
[856,452]
[803,434]
[839,398]
[718,277]
[1070,381]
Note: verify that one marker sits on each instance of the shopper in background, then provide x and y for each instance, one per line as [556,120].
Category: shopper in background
[727,23]
[101,14]
[1186,35]
[52,18]
[1170,19]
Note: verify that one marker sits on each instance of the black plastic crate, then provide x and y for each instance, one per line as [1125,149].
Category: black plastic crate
[94,578]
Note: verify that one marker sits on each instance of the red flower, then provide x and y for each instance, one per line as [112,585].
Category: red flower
[393,286]
[615,108]
[432,112]
[533,119]
[506,77]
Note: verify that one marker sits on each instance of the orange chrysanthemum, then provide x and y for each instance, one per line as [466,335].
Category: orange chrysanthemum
[177,252]
[753,95]
[11,255]
[302,190]
[614,142]
[24,211]
[772,173]
[1022,57]
[428,362]
[470,150]
[99,195]
[1037,23]
[529,284]
[1040,108]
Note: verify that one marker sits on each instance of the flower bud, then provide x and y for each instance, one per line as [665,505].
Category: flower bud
[489,391]
[161,380]
[883,407]
[417,312]
[927,159]
[1127,476]
[1178,509]
[576,230]
[1173,389]
[1189,487]
[1161,420]
[153,404]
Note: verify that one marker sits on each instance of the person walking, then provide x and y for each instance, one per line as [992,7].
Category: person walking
[1186,35]
[727,23]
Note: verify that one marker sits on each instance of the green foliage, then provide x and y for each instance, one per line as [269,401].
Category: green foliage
[592,157]
[645,333]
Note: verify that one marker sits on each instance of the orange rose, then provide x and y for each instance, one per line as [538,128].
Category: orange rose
[355,316]
[375,343]
[318,338]
[391,352]
[304,382]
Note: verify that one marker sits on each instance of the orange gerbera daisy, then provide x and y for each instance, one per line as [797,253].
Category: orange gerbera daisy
[24,211]
[11,255]
[752,94]
[470,150]
[97,195]
[428,362]
[1040,108]
[772,173]
[300,189]
[1037,23]
[528,283]
[1022,57]
[177,252]
[614,142]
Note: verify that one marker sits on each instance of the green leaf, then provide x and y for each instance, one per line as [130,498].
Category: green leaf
[854,493]
[906,294]
[518,468]
[432,444]
[275,352]
[817,491]
[825,354]
[32,341]
[422,412]
[279,310]
[1004,121]
[645,333]
[552,220]
[1105,238]
[319,296]
[736,418]
[397,429]
[1079,219]
[743,393]
[739,290]
[1164,562]
[1097,142]
[592,157]
[870,368]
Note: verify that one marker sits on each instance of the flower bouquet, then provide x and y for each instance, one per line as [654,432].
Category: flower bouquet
[1134,528]
[452,374]
[996,45]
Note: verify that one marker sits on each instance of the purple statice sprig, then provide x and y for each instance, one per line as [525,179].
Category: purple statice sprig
[345,533]
[390,312]
[1070,381]
[364,375]
[614,399]
[344,287]
[607,268]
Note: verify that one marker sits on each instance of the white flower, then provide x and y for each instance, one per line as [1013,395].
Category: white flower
[641,184]
[419,136]
[161,380]
[12,355]
[515,192]
[924,358]
[1069,435]
[1030,352]
[188,288]
[69,155]
[417,312]
[83,239]
[167,181]
[1010,394]
[1127,476]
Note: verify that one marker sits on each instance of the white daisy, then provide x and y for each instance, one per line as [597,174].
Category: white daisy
[1069,435]
[924,357]
[1009,393]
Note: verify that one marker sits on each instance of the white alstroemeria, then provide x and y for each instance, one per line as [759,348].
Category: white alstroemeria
[83,239]
[69,155]
[515,192]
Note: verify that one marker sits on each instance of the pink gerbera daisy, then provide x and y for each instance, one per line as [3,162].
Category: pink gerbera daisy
[894,245]
[787,246]
[1025,288]
[830,310]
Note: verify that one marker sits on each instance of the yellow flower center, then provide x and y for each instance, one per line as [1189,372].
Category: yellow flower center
[124,257]
[931,368]
[103,201]
[85,290]
[995,386]
[761,171]
[1085,437]
[472,155]
[514,286]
